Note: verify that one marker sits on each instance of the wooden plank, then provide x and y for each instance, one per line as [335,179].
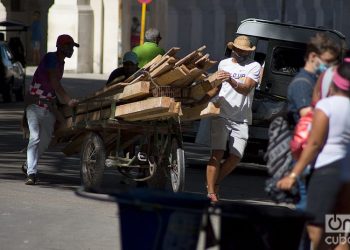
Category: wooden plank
[200,111]
[174,110]
[148,105]
[162,60]
[185,69]
[191,63]
[106,91]
[172,52]
[201,62]
[202,59]
[139,78]
[116,80]
[214,82]
[145,67]
[170,77]
[190,56]
[186,58]
[165,67]
[198,91]
[191,76]
[155,60]
[92,105]
[201,77]
[138,89]
[207,65]
[99,115]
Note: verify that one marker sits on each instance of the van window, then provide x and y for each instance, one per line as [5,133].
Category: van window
[287,60]
[261,51]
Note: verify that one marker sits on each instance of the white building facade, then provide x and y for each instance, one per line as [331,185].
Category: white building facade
[102,27]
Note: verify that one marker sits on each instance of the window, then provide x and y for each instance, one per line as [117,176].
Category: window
[287,60]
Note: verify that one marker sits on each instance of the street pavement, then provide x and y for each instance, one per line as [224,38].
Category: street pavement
[51,216]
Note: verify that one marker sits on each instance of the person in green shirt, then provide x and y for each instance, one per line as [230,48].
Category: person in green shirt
[150,49]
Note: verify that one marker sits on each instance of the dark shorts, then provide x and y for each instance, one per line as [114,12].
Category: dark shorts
[322,192]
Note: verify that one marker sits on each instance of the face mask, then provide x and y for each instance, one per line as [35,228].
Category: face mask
[239,58]
[321,67]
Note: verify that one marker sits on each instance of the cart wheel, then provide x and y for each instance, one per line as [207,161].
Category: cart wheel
[93,157]
[177,166]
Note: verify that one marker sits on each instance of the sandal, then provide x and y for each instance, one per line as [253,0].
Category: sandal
[216,189]
[213,198]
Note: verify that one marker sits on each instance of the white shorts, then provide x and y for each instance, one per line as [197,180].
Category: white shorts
[224,131]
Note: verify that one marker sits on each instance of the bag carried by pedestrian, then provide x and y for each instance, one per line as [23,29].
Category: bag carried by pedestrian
[280,161]
[301,135]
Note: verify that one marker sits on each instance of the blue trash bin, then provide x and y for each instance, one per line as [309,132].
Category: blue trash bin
[153,219]
[251,226]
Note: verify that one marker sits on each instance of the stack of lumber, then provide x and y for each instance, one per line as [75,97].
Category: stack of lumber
[165,87]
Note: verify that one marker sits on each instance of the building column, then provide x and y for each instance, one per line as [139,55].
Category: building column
[85,37]
[78,22]
[111,35]
[97,8]
[44,8]
[2,12]
[126,25]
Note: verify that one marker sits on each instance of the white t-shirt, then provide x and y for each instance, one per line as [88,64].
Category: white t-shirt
[337,109]
[235,106]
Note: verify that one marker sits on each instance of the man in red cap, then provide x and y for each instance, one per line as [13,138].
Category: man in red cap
[40,100]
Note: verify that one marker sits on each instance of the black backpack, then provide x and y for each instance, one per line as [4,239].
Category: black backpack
[279,160]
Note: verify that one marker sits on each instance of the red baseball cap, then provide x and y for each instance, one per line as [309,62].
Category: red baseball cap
[65,39]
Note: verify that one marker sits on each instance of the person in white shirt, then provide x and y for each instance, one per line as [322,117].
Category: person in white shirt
[240,75]
[328,146]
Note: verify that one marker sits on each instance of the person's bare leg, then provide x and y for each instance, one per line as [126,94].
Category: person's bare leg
[228,166]
[315,235]
[213,169]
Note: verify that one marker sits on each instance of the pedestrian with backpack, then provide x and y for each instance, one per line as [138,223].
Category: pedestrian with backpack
[321,53]
[327,146]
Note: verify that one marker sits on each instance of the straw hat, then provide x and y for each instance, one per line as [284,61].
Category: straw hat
[242,43]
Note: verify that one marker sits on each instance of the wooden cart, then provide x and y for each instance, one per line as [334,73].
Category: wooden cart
[136,125]
[149,151]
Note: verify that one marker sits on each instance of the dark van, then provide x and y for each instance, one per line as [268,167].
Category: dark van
[280,49]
